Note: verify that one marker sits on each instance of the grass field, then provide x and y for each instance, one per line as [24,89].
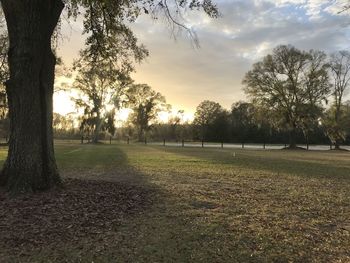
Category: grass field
[200,205]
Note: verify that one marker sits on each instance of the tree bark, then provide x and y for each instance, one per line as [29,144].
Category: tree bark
[140,134]
[337,125]
[31,165]
[292,138]
[97,130]
[337,144]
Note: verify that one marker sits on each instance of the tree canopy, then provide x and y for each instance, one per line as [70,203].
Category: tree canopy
[340,77]
[292,84]
[211,121]
[105,21]
[145,104]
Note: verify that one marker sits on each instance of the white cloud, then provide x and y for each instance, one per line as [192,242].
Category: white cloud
[247,30]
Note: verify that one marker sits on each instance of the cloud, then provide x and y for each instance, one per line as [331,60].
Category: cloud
[247,30]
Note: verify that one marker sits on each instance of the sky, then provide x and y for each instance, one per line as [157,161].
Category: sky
[246,31]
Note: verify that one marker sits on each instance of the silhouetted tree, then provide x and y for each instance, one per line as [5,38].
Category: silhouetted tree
[292,84]
[175,122]
[243,125]
[146,104]
[340,76]
[339,131]
[102,82]
[64,126]
[211,121]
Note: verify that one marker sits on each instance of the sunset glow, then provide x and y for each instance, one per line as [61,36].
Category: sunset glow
[246,31]
[62,103]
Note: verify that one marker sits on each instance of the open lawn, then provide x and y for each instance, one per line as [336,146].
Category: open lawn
[135,203]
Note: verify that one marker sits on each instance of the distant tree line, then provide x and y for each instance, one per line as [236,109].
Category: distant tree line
[295,97]
[240,124]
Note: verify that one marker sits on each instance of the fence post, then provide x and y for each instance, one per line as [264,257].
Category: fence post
[82,139]
[202,144]
[330,146]
[128,141]
[163,142]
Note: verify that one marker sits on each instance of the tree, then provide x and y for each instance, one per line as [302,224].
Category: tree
[340,72]
[146,104]
[31,165]
[243,121]
[211,121]
[337,132]
[64,125]
[175,123]
[292,84]
[102,83]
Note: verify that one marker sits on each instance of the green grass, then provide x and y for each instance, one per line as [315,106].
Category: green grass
[216,205]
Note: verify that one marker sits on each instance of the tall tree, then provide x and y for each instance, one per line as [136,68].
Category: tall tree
[31,164]
[292,84]
[175,123]
[211,121]
[63,125]
[102,83]
[146,104]
[243,122]
[340,72]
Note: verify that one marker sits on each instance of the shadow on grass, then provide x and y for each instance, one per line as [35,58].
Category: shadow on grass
[121,215]
[193,223]
[100,196]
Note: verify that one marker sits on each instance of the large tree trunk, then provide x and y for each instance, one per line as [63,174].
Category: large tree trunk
[337,144]
[140,134]
[31,165]
[292,138]
[338,139]
[98,126]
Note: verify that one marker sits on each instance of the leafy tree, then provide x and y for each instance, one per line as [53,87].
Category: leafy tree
[337,131]
[102,82]
[31,24]
[211,121]
[64,126]
[61,70]
[292,84]
[340,73]
[243,123]
[146,104]
[176,125]
[61,122]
